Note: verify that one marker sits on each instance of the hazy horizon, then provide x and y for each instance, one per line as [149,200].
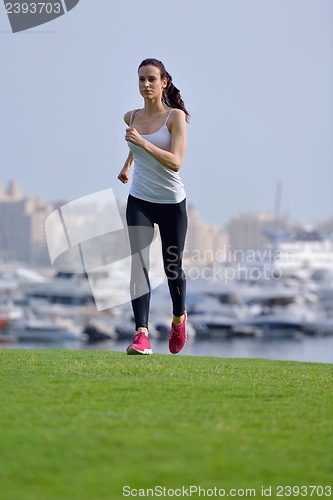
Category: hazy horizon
[257,78]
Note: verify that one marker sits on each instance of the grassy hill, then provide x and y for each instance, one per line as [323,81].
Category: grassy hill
[86,424]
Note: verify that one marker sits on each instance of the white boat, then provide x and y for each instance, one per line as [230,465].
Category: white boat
[212,325]
[214,310]
[69,289]
[284,311]
[304,249]
[8,310]
[98,290]
[281,325]
[321,327]
[31,328]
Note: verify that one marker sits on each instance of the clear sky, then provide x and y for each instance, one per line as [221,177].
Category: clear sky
[256,76]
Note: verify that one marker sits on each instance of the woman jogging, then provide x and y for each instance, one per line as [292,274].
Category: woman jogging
[156,136]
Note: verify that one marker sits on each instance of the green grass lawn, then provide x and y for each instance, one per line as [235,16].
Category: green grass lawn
[84,424]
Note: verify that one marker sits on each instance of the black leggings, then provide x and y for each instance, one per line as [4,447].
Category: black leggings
[172,221]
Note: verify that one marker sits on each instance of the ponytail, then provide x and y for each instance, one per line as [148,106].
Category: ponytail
[171,95]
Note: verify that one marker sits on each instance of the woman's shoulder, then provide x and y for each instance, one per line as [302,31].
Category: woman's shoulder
[176,117]
[128,114]
[127,117]
[176,112]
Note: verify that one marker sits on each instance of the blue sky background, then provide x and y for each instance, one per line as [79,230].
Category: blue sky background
[256,76]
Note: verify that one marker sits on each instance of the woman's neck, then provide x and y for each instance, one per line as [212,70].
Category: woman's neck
[153,107]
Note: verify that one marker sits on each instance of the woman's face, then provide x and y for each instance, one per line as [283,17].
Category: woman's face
[150,83]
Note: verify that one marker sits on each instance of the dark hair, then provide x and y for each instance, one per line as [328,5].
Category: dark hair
[171,95]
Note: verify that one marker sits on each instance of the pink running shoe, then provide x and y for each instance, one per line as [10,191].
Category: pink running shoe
[140,345]
[178,336]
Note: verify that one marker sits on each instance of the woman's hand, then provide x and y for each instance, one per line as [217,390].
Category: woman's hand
[173,158]
[124,174]
[133,136]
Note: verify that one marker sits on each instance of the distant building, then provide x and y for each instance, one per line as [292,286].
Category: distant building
[22,231]
[204,242]
[22,226]
[246,232]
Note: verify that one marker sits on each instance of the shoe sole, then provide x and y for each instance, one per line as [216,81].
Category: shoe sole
[177,352]
[133,350]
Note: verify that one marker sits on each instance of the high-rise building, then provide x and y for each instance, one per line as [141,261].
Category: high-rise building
[246,231]
[204,242]
[22,226]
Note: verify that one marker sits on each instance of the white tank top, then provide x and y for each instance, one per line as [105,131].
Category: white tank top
[152,181]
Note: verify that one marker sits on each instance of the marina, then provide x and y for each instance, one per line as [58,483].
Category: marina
[286,316]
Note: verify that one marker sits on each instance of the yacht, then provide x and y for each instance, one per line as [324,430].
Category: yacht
[302,249]
[29,327]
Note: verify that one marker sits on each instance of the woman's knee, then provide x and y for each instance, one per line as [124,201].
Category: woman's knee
[173,270]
